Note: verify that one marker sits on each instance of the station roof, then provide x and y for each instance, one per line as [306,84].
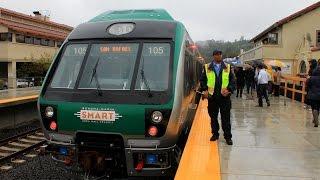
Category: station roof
[286,20]
[60,31]
[139,14]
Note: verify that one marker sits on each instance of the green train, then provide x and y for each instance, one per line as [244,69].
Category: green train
[120,95]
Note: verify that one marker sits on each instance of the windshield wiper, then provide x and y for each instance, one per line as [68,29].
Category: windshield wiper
[144,80]
[95,76]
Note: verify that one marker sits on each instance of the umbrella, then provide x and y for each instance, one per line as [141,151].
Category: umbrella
[239,65]
[275,63]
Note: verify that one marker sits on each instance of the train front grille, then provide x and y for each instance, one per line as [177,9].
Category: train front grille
[101,154]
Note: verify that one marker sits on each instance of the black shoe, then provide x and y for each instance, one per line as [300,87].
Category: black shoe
[258,106]
[229,142]
[268,103]
[214,138]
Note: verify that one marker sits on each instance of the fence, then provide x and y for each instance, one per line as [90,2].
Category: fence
[295,82]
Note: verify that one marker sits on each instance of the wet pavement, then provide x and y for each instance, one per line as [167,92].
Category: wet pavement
[276,142]
[19,92]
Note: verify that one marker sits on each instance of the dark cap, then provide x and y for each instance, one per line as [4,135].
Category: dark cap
[217,52]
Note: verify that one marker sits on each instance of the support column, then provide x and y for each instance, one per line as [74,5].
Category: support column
[12,74]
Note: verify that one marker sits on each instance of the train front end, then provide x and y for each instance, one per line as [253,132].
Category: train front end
[108,101]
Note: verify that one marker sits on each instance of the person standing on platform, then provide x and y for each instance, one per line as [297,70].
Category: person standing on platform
[313,95]
[312,66]
[240,76]
[217,82]
[277,81]
[249,79]
[263,79]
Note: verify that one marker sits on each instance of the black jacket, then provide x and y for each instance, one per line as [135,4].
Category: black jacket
[217,88]
[313,85]
[249,75]
[240,74]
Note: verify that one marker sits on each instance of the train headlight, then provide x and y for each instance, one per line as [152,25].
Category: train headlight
[156,117]
[49,112]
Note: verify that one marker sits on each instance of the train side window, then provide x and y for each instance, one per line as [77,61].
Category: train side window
[187,77]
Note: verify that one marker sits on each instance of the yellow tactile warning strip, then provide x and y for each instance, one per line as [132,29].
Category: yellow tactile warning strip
[13,100]
[200,159]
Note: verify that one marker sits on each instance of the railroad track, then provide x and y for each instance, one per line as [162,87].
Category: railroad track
[18,145]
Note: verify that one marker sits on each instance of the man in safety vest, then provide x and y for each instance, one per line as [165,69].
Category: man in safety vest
[217,82]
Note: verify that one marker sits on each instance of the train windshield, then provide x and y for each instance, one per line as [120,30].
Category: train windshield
[153,72]
[111,66]
[115,66]
[69,66]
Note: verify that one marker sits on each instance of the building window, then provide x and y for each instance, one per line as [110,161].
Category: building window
[37,41]
[303,67]
[318,38]
[29,40]
[51,43]
[20,38]
[59,43]
[6,37]
[273,38]
[44,42]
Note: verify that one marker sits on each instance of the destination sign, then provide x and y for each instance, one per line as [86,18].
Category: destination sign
[115,49]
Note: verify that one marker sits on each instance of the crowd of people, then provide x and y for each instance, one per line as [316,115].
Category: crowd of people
[266,81]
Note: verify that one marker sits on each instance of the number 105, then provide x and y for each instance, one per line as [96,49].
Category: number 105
[156,50]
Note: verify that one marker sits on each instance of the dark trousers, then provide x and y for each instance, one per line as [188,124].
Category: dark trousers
[276,90]
[216,104]
[262,92]
[250,86]
[239,90]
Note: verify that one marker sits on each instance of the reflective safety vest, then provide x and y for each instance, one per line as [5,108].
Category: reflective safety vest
[211,78]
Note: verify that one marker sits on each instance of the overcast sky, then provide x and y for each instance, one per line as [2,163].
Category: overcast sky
[204,19]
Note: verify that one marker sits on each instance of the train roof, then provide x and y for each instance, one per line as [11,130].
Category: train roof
[148,23]
[138,14]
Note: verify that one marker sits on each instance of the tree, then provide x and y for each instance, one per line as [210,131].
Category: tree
[34,67]
[229,49]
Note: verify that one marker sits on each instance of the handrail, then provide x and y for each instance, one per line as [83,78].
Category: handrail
[294,81]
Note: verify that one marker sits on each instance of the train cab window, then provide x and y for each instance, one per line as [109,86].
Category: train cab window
[154,68]
[110,66]
[69,66]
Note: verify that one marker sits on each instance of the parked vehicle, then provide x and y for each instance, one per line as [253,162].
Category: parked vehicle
[21,83]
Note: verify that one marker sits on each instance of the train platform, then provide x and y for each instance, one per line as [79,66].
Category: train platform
[276,142]
[18,96]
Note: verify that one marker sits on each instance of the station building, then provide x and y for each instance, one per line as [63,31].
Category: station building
[25,38]
[293,40]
